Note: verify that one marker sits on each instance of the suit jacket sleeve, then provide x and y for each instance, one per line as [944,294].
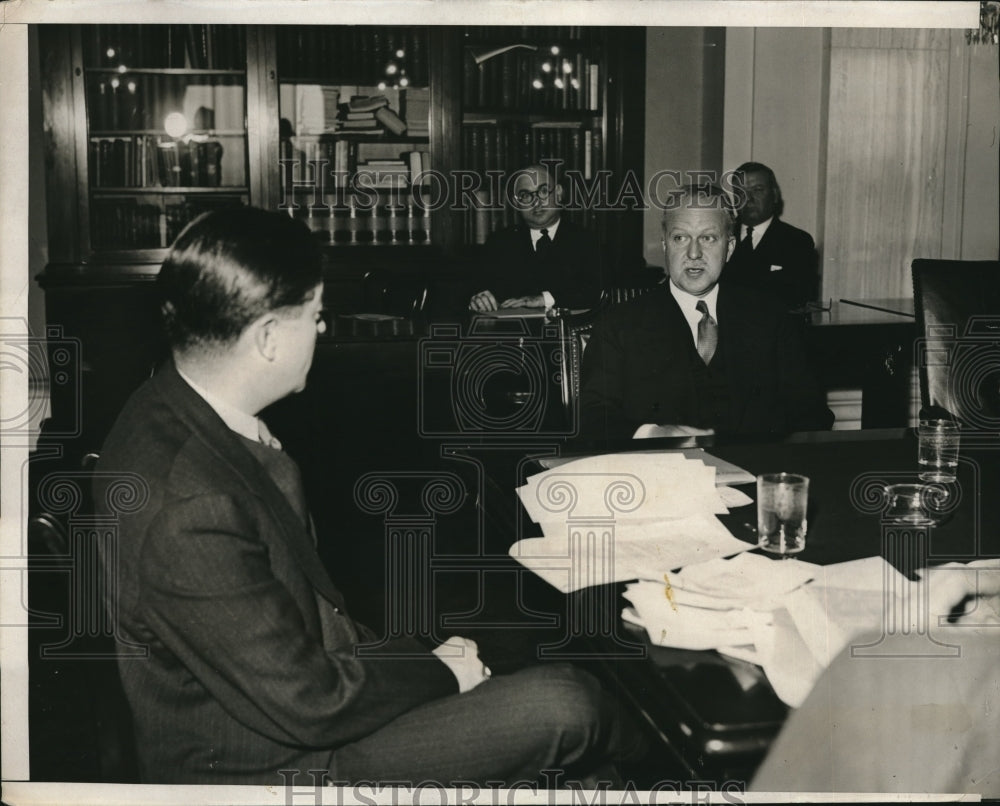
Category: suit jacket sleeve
[500,270]
[805,262]
[576,280]
[210,595]
[804,400]
[573,275]
[602,384]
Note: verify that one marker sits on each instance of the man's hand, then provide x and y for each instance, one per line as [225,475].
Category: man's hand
[537,301]
[461,655]
[483,301]
[974,585]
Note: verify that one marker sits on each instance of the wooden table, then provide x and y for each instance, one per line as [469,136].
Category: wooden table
[696,704]
[867,344]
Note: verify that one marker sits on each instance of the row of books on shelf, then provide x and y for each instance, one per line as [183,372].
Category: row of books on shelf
[148,161]
[350,222]
[339,158]
[545,33]
[192,46]
[125,223]
[510,145]
[532,80]
[359,54]
[480,222]
[143,101]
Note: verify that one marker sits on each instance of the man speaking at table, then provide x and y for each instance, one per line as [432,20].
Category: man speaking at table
[253,665]
[546,261]
[697,355]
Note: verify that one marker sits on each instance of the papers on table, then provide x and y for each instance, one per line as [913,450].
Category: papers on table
[522,313]
[791,618]
[509,313]
[726,473]
[623,516]
[587,557]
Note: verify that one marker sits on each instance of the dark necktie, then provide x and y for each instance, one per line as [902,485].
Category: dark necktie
[746,245]
[708,333]
[544,244]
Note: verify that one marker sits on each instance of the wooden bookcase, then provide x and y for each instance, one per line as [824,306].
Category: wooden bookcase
[264,107]
[258,104]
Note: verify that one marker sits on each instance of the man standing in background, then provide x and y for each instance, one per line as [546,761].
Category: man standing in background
[770,255]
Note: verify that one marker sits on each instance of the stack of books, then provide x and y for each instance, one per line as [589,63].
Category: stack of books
[418,109]
[383,173]
[371,115]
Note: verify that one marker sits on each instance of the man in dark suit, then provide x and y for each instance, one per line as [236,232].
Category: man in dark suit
[697,354]
[546,261]
[254,665]
[770,255]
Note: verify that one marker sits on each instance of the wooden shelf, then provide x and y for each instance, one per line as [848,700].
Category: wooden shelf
[162,133]
[163,71]
[584,116]
[170,191]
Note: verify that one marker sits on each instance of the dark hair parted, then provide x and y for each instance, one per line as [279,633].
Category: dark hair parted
[759,167]
[708,197]
[228,268]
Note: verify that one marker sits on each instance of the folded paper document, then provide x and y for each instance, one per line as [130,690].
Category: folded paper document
[617,517]
[586,555]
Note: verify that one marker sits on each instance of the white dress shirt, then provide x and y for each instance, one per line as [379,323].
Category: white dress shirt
[688,303]
[246,425]
[758,231]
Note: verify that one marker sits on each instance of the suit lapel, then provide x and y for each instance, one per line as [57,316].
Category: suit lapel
[206,425]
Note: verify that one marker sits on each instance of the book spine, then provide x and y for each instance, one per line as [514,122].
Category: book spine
[508,78]
[390,120]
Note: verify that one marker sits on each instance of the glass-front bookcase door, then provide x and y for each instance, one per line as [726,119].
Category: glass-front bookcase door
[354,106]
[166,123]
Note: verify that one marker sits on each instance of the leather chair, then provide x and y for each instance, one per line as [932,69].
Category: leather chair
[574,332]
[100,718]
[957,307]
[394,293]
[392,304]
[633,283]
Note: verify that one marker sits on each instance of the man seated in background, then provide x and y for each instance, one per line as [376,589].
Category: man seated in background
[546,261]
[254,664]
[770,255]
[697,354]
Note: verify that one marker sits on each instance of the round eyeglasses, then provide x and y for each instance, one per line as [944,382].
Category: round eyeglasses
[529,196]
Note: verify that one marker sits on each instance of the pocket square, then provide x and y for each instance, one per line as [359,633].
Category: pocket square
[775,268]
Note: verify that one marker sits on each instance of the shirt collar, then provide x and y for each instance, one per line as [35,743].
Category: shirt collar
[537,233]
[689,302]
[246,425]
[758,230]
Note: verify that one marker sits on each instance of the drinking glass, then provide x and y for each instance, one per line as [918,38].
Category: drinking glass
[938,451]
[782,499]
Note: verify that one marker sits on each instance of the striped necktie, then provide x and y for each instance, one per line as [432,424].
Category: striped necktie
[708,333]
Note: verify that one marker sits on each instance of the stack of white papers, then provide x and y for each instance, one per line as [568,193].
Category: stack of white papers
[789,617]
[623,516]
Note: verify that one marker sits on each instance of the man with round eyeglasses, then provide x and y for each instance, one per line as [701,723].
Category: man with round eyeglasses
[546,261]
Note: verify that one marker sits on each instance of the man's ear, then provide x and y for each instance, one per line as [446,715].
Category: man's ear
[731,247]
[264,333]
[560,194]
